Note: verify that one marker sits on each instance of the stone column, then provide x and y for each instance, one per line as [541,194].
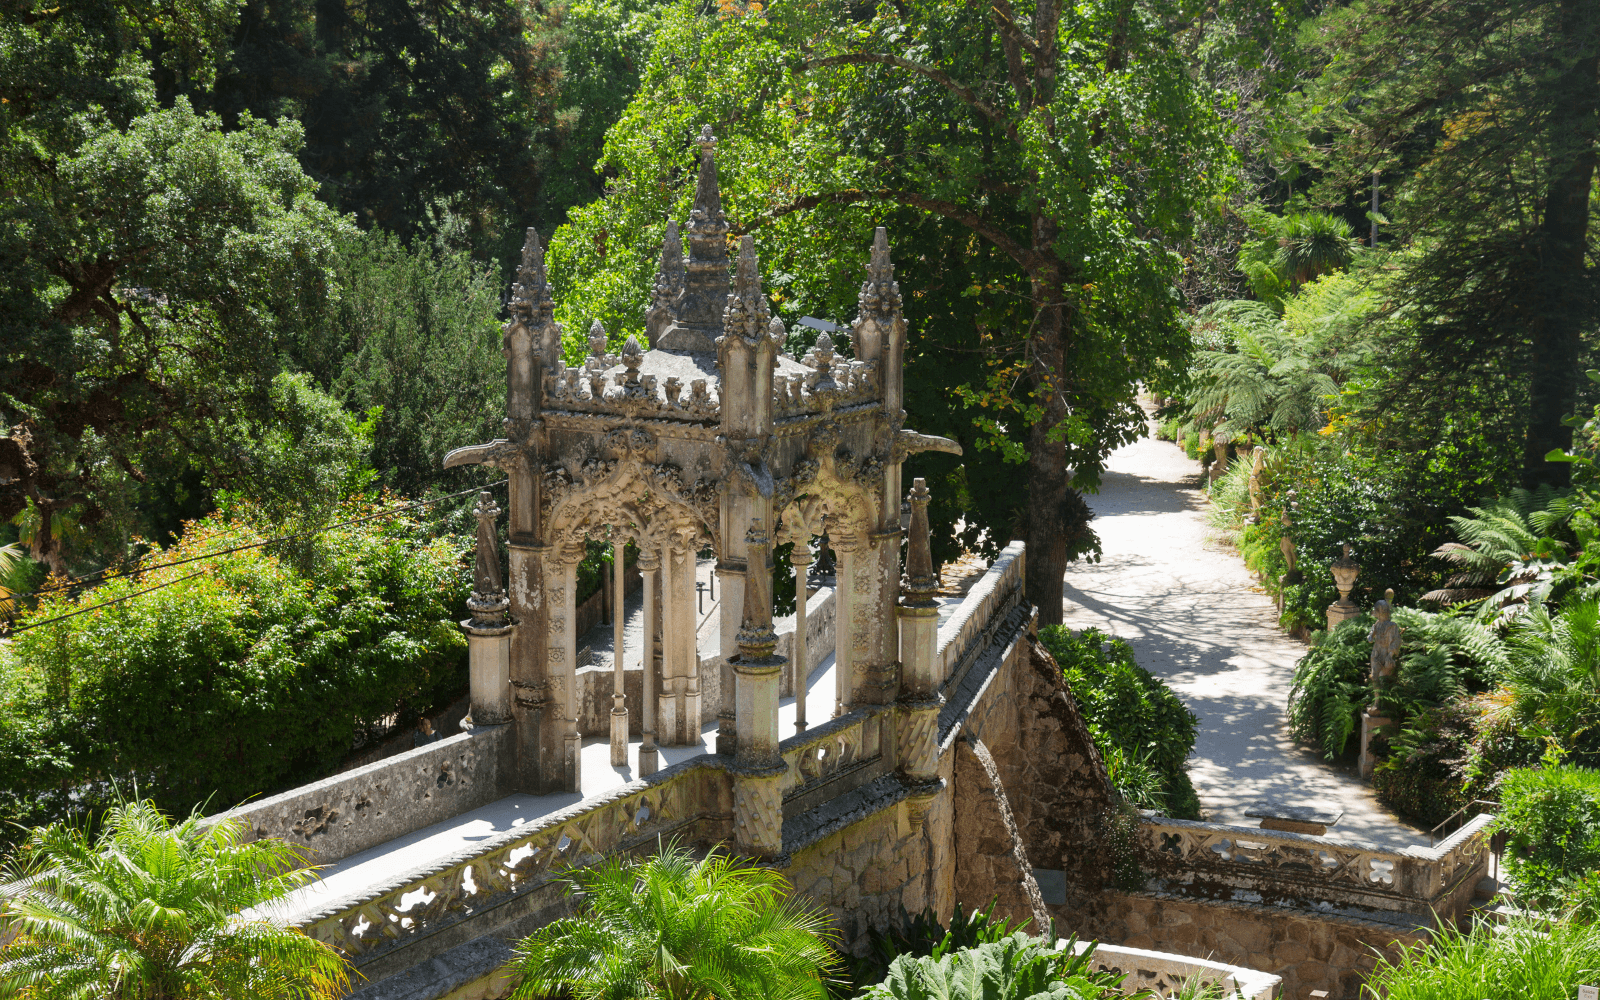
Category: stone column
[846,563]
[919,640]
[563,671]
[757,797]
[649,757]
[801,558]
[488,633]
[619,618]
[730,581]
[680,564]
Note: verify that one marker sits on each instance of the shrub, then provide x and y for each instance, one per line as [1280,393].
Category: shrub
[1552,815]
[1131,714]
[1331,687]
[1527,960]
[1013,968]
[244,673]
[922,935]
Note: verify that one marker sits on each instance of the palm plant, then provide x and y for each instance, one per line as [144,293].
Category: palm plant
[679,928]
[1311,244]
[1555,668]
[150,910]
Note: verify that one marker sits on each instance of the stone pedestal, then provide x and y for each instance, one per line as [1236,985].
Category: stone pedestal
[1340,611]
[1370,726]
[489,657]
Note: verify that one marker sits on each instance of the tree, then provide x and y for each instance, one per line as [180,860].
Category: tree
[154,269]
[1064,150]
[675,927]
[471,120]
[1504,99]
[151,910]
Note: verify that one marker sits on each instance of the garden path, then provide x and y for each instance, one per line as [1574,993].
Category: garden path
[1197,619]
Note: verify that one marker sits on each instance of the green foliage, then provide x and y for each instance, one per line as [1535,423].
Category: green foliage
[415,333]
[260,670]
[1535,960]
[922,935]
[151,908]
[1134,718]
[1291,250]
[1331,687]
[1018,967]
[1524,549]
[675,927]
[1554,673]
[1552,814]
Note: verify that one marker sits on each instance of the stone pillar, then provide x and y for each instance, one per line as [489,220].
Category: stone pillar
[757,797]
[649,756]
[844,589]
[488,633]
[919,639]
[680,563]
[801,558]
[619,619]
[563,671]
[730,581]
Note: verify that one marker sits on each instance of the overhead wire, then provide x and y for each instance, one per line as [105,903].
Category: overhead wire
[5,628]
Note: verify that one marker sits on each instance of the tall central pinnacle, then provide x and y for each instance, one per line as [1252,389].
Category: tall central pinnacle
[697,322]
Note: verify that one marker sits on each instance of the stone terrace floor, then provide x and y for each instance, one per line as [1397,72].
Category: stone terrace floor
[1197,618]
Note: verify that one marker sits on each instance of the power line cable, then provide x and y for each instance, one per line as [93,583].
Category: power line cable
[213,555]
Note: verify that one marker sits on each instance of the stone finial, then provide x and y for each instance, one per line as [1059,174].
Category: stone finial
[746,313]
[778,333]
[597,340]
[921,582]
[674,388]
[632,358]
[821,358]
[824,351]
[706,218]
[530,293]
[756,638]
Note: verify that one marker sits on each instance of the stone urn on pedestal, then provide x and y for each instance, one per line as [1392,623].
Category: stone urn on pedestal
[1344,577]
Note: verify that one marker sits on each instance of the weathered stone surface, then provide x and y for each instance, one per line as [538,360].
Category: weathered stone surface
[350,812]
[991,863]
[1310,951]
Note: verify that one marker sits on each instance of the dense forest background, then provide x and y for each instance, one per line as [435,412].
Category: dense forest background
[254,254]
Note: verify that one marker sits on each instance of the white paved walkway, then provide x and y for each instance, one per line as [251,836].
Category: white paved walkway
[1196,618]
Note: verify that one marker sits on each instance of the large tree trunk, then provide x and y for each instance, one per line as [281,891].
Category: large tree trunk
[1563,304]
[1047,456]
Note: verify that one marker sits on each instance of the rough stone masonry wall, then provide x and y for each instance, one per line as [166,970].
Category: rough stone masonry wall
[1310,952]
[991,864]
[868,872]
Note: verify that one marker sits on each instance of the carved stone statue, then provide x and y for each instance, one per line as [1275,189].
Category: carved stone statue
[486,575]
[1385,639]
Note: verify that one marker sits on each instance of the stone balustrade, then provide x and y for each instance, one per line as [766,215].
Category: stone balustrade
[1352,877]
[692,800]
[980,612]
[1166,974]
[833,758]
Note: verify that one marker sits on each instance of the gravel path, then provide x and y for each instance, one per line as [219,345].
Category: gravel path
[1196,618]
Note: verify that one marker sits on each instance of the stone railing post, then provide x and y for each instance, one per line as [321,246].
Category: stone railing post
[757,794]
[919,639]
[800,557]
[488,632]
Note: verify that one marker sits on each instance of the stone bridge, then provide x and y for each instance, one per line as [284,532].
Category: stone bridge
[1021,813]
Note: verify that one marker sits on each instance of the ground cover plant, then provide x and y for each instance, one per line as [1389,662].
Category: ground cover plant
[1141,728]
[1552,814]
[1537,960]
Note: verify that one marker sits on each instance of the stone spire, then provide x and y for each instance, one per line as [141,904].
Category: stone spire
[878,305]
[670,279]
[488,602]
[532,338]
[746,314]
[697,319]
[756,638]
[921,582]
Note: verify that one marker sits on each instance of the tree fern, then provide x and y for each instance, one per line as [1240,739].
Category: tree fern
[1510,554]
